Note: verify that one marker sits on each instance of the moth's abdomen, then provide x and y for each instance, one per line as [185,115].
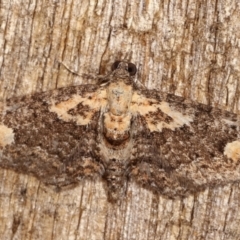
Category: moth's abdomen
[115,176]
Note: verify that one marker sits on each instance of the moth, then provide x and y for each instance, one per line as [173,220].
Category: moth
[119,131]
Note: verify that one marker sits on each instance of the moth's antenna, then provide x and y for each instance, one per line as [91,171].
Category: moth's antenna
[69,69]
[84,75]
[238,123]
[128,56]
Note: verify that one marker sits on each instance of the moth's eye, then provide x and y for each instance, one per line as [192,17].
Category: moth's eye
[132,69]
[115,65]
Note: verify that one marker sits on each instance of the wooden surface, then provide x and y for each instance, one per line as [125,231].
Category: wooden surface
[189,48]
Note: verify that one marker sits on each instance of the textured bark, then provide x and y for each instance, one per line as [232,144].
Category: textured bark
[189,48]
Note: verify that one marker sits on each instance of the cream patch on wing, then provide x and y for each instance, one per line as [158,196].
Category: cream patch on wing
[151,109]
[94,101]
[6,135]
[232,150]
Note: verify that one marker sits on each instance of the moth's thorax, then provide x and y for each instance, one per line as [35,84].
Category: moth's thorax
[119,96]
[116,129]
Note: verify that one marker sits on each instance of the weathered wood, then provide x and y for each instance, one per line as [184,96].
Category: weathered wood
[189,48]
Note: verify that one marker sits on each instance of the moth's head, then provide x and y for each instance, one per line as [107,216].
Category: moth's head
[123,69]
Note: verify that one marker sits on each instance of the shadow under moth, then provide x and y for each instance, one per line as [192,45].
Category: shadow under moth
[120,131]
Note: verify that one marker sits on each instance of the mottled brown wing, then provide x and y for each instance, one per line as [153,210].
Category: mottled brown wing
[51,135]
[175,156]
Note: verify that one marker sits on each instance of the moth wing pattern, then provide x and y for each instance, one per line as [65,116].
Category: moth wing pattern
[51,135]
[116,130]
[182,147]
